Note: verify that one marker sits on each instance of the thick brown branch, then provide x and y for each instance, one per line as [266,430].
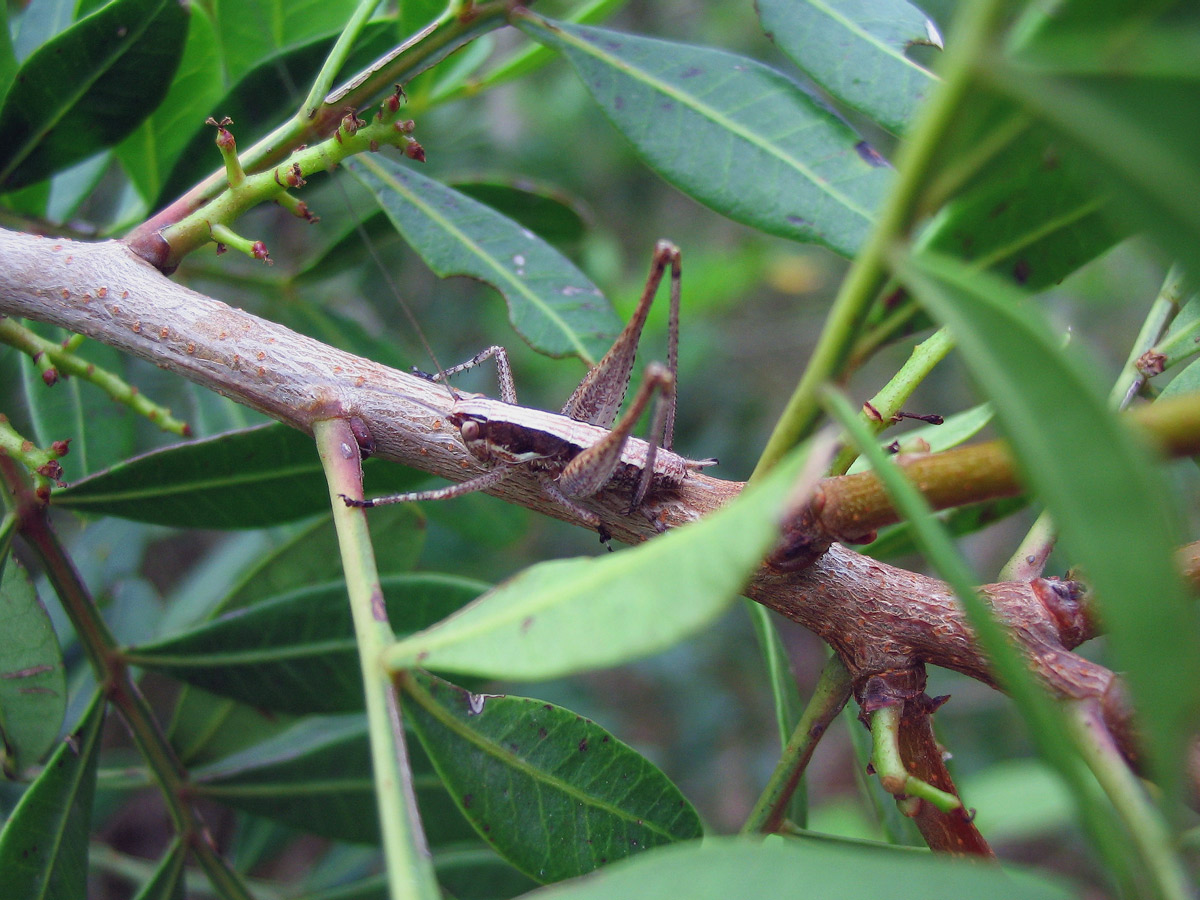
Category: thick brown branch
[876,616]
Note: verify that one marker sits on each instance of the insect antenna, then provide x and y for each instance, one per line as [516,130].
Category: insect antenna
[285,77]
[373,252]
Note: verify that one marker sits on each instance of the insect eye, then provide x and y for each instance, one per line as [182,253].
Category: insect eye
[470,430]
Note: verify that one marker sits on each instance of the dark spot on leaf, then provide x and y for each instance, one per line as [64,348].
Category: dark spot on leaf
[799,221]
[526,623]
[542,733]
[583,745]
[692,72]
[548,706]
[603,860]
[486,828]
[1021,271]
[618,102]
[467,800]
[515,748]
[870,155]
[666,106]
[998,210]
[612,45]
[605,739]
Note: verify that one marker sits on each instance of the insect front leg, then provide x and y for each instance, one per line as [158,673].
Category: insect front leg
[508,386]
[478,483]
[592,469]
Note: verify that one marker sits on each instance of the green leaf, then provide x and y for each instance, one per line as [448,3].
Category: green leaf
[259,476]
[571,615]
[44,844]
[736,135]
[316,776]
[547,211]
[1135,112]
[1035,212]
[720,868]
[551,304]
[296,652]
[261,96]
[554,793]
[8,57]
[855,50]
[251,32]
[1186,382]
[1099,483]
[205,727]
[33,688]
[167,881]
[151,151]
[101,434]
[954,430]
[88,87]
[313,556]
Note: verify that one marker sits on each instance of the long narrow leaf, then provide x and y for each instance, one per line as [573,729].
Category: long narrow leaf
[296,652]
[316,776]
[44,844]
[271,472]
[720,868]
[572,615]
[88,87]
[33,682]
[554,793]
[1116,518]
[731,132]
[551,304]
[855,49]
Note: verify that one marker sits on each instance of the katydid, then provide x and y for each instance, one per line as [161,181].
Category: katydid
[579,452]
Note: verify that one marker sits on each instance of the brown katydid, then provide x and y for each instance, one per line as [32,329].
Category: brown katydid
[579,452]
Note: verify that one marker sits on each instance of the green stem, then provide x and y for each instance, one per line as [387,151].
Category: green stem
[829,696]
[336,59]
[525,60]
[914,164]
[66,362]
[1044,717]
[410,867]
[783,684]
[1162,311]
[410,59]
[211,221]
[893,395]
[889,765]
[1029,559]
[1145,828]
[112,673]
